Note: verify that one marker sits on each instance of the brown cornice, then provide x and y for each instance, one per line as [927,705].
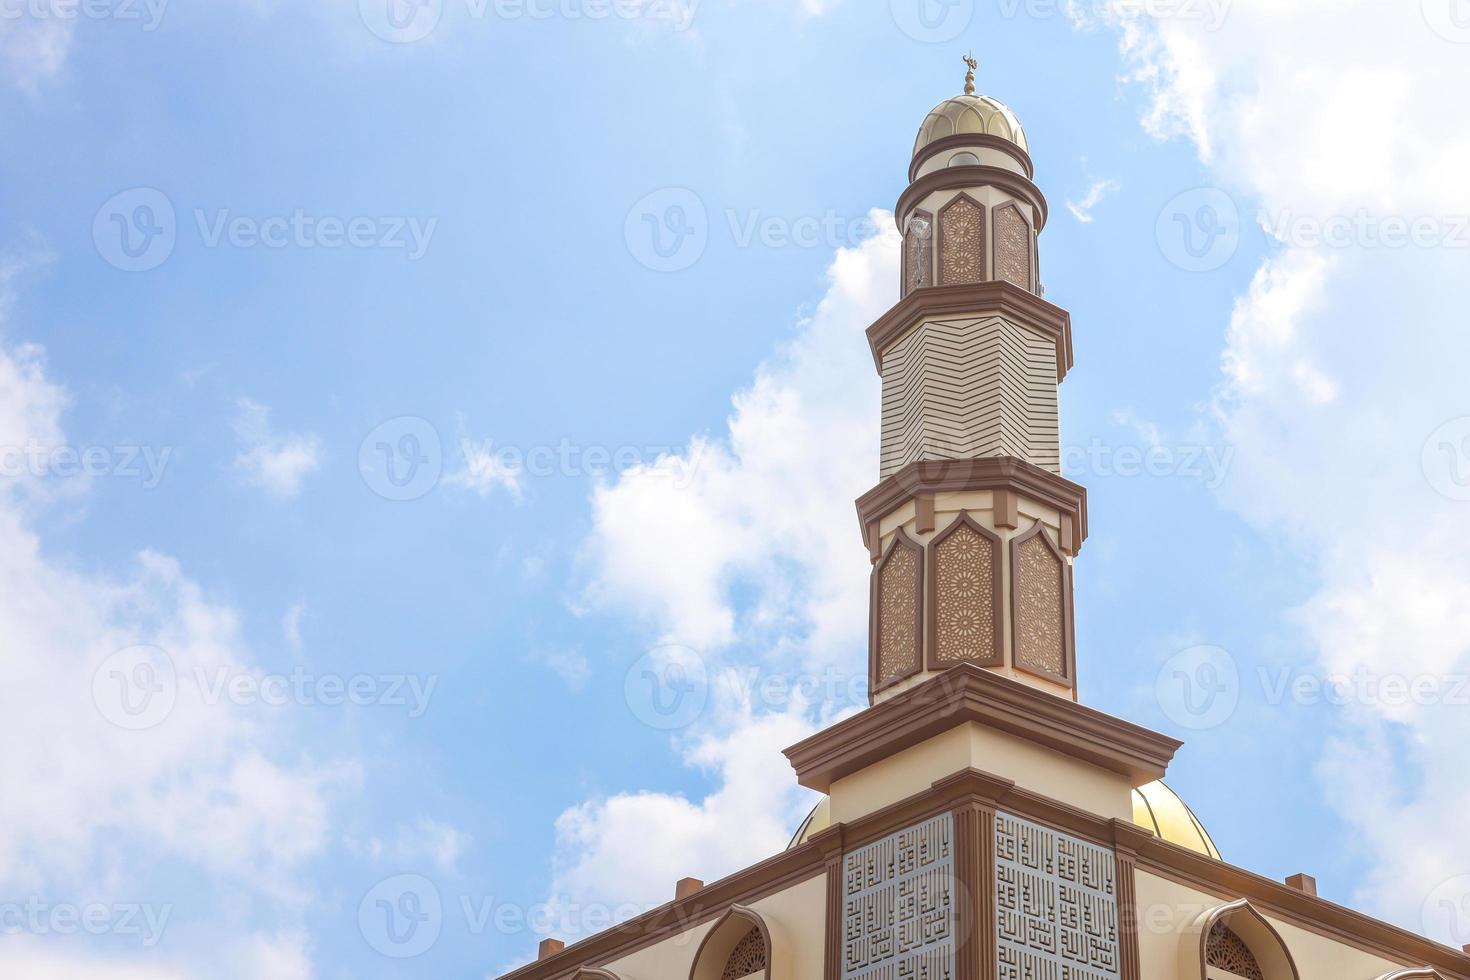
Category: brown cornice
[782,871]
[960,141]
[1166,860]
[981,298]
[822,853]
[980,176]
[965,694]
[981,473]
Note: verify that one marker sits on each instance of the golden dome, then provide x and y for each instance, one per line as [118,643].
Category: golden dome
[817,821]
[970,114]
[1157,808]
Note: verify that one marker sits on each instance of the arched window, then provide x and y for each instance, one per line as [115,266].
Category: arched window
[1234,942]
[738,947]
[897,632]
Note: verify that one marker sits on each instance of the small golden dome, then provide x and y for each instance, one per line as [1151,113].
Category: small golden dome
[1156,807]
[817,821]
[979,114]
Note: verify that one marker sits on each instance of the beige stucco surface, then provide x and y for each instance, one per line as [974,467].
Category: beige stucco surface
[1166,908]
[973,746]
[796,917]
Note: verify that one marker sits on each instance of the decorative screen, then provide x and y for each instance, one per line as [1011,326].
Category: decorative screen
[898,905]
[1056,905]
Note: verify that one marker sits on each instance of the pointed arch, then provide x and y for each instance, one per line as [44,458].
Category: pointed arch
[1041,607]
[962,236]
[1424,973]
[895,628]
[1015,244]
[739,941]
[1259,945]
[918,251]
[963,596]
[589,974]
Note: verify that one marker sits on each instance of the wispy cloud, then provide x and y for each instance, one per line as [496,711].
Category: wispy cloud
[268,460]
[1096,191]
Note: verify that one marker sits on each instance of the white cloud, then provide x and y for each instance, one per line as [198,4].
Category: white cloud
[291,625]
[34,45]
[1339,366]
[677,539]
[271,461]
[571,666]
[603,863]
[742,537]
[1096,191]
[486,470]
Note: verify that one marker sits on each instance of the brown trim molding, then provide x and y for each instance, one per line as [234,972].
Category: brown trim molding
[965,693]
[832,955]
[1130,966]
[1231,911]
[948,178]
[931,593]
[875,613]
[1153,856]
[1069,648]
[961,141]
[968,872]
[978,298]
[718,934]
[1000,473]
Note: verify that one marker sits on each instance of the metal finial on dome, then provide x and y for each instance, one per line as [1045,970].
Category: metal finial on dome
[972,64]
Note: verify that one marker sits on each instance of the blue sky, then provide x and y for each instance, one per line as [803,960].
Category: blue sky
[351,511]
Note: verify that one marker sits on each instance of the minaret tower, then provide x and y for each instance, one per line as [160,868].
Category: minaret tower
[972,529]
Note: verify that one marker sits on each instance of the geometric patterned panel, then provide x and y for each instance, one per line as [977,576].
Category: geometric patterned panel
[962,242]
[898,613]
[964,596]
[898,919]
[1041,616]
[747,958]
[1056,905]
[1012,247]
[1228,951]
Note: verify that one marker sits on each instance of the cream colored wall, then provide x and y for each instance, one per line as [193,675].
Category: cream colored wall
[796,916]
[1166,908]
[980,505]
[974,746]
[989,157]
